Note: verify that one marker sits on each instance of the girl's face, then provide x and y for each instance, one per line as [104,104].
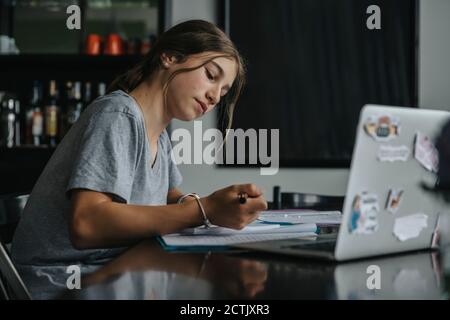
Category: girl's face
[192,94]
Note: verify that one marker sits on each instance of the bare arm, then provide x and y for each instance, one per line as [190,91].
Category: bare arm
[173,195]
[97,221]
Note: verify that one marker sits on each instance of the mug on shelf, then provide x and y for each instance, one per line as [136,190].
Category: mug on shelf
[113,45]
[94,44]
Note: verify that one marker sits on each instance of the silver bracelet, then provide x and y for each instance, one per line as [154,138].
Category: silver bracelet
[206,221]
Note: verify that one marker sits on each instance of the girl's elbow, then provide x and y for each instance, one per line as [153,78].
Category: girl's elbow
[79,233]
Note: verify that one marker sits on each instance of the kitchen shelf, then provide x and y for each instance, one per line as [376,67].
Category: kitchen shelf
[26,67]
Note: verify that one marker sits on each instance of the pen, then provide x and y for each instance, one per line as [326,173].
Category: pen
[242,196]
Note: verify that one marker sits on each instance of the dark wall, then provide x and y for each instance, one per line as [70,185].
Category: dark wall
[313,64]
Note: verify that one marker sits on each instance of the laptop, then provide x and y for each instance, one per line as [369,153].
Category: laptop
[386,209]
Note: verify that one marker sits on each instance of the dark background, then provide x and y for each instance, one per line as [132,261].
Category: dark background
[313,64]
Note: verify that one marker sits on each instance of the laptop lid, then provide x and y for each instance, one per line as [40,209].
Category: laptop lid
[386,209]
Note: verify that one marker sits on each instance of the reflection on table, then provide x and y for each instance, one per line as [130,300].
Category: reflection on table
[146,271]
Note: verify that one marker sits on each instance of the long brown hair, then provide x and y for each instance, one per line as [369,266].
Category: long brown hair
[181,41]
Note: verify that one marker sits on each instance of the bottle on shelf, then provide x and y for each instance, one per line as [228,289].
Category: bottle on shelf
[87,97]
[29,118]
[64,111]
[101,89]
[67,96]
[34,120]
[17,126]
[52,111]
[74,106]
[47,117]
[8,121]
[37,128]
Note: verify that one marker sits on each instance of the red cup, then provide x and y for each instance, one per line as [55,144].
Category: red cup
[94,44]
[114,45]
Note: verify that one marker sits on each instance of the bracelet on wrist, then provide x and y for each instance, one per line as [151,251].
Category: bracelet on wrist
[206,221]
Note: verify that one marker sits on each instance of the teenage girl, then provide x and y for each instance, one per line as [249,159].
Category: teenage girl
[112,181]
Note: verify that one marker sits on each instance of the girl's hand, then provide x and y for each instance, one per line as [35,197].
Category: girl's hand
[223,208]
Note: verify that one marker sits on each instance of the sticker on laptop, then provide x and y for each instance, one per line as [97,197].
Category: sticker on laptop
[410,227]
[382,128]
[425,153]
[393,200]
[388,153]
[364,217]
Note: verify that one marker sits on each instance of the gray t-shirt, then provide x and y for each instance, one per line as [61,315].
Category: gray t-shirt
[107,150]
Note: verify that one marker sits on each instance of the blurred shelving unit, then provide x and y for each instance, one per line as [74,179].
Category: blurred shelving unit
[48,50]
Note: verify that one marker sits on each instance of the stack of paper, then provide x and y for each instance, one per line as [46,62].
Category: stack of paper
[271,225]
[292,217]
[177,242]
[256,227]
[207,238]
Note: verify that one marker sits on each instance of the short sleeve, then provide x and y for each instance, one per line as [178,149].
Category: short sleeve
[107,155]
[175,177]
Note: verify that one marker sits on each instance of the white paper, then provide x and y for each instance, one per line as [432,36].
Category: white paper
[299,217]
[388,153]
[298,212]
[409,227]
[216,230]
[177,240]
[253,228]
